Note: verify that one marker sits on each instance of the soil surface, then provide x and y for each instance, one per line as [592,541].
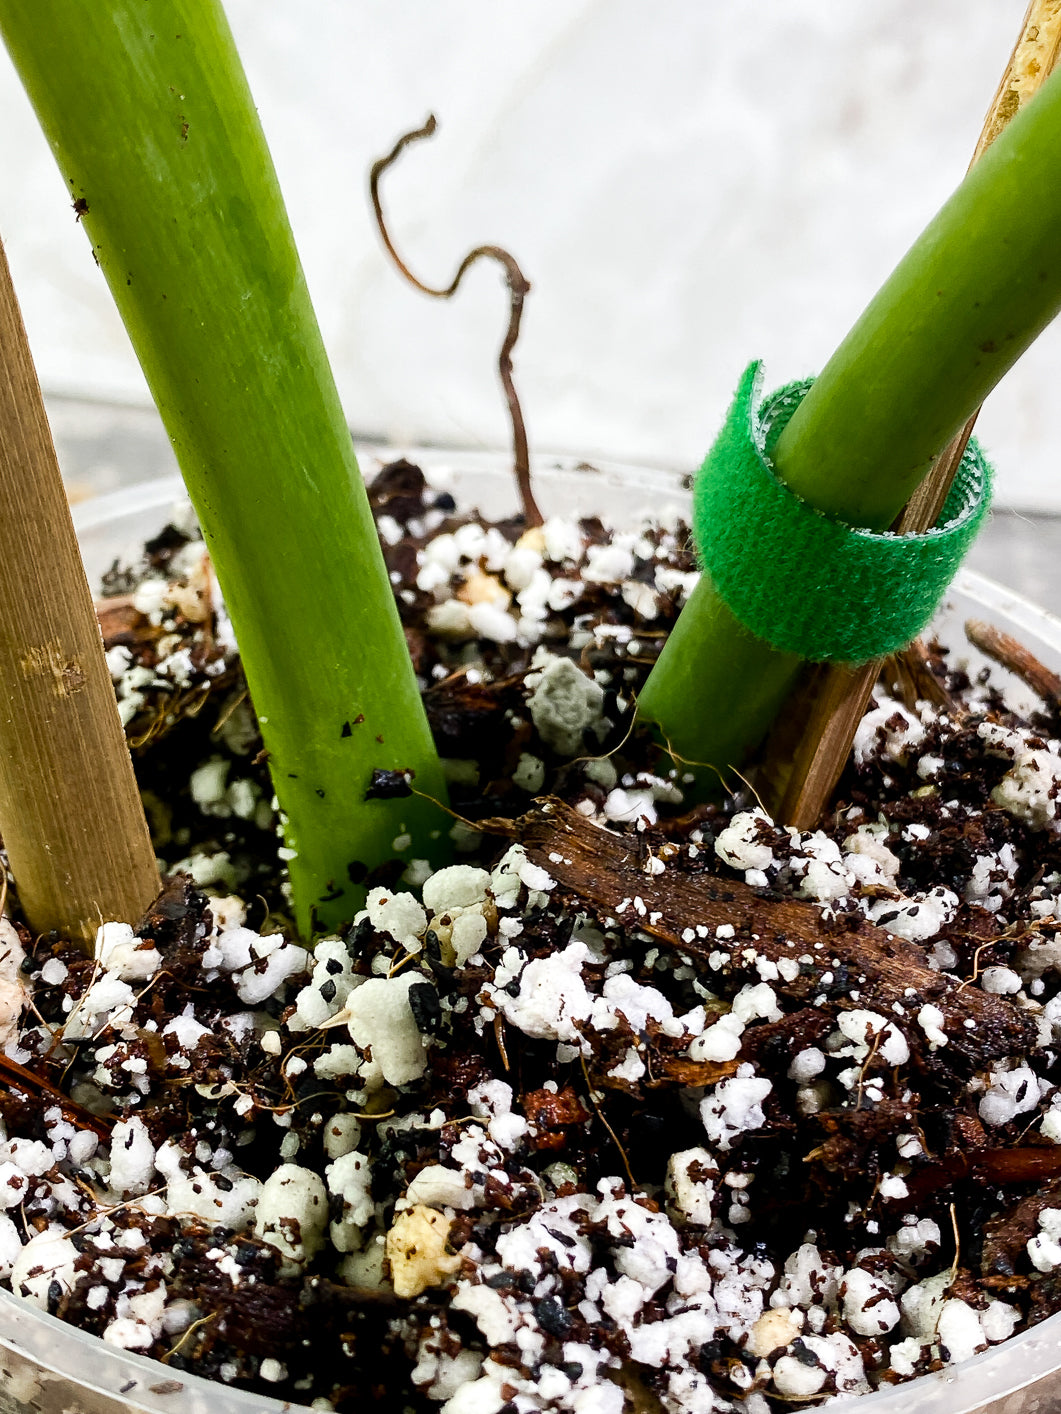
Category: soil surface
[645,1103]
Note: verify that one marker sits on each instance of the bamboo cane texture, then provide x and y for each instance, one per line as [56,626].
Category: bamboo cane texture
[70,814]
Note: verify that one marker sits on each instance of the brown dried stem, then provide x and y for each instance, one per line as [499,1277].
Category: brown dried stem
[840,694]
[16,1077]
[70,813]
[1011,654]
[518,287]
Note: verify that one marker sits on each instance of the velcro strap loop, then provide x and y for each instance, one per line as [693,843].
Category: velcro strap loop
[804,582]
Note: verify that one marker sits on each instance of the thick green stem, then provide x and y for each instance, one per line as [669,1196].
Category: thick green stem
[981,283]
[150,118]
[975,290]
[733,716]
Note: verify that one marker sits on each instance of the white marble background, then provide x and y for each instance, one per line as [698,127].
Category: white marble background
[687,183]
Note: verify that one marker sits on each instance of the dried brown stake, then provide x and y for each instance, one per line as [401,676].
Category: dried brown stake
[70,814]
[1007,651]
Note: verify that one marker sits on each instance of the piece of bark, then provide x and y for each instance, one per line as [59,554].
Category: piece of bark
[1001,1168]
[1006,650]
[844,960]
[460,712]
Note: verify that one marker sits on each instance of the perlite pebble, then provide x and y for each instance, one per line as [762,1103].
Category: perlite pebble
[735,1106]
[440,1187]
[342,1134]
[552,998]
[121,952]
[720,1042]
[959,1331]
[381,1022]
[398,914]
[869,1307]
[416,1251]
[13,990]
[10,1245]
[459,886]
[890,730]
[292,1213]
[744,844]
[47,1258]
[796,1379]
[350,1180]
[229,1202]
[1030,789]
[132,1158]
[773,1330]
[691,1185]
[922,1304]
[326,993]
[467,935]
[529,774]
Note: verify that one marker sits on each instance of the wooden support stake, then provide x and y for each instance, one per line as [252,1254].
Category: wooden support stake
[842,694]
[70,814]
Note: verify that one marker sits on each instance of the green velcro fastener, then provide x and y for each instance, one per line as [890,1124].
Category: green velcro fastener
[804,582]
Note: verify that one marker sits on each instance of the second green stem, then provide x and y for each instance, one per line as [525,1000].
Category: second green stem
[982,281]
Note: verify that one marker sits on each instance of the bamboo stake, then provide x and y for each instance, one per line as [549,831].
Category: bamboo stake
[70,813]
[842,694]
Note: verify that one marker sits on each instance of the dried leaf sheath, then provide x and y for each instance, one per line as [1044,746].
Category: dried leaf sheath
[70,814]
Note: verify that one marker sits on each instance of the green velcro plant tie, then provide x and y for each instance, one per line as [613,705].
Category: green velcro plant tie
[804,582]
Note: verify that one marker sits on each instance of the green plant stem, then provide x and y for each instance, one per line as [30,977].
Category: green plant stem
[979,285]
[149,115]
[716,687]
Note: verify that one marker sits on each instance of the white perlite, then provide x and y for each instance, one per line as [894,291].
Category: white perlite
[459,886]
[121,952]
[735,1106]
[13,991]
[381,1024]
[889,730]
[132,1158]
[552,998]
[229,1202]
[292,1214]
[691,1185]
[744,843]
[1031,788]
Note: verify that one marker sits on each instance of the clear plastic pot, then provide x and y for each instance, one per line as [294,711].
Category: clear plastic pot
[48,1367]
